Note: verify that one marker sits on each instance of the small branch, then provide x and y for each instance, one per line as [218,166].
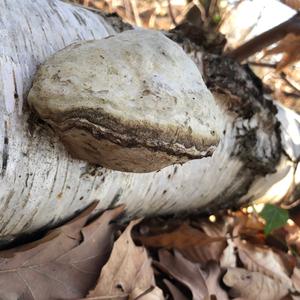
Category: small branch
[128,11]
[171,13]
[136,13]
[267,38]
[289,83]
[292,95]
[262,64]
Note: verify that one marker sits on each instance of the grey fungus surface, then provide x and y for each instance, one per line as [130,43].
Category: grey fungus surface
[132,102]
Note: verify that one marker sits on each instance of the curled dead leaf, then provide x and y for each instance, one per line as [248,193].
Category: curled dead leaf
[254,285]
[128,272]
[204,283]
[183,237]
[174,291]
[212,275]
[228,257]
[296,279]
[263,260]
[295,4]
[289,47]
[186,272]
[212,246]
[153,293]
[292,237]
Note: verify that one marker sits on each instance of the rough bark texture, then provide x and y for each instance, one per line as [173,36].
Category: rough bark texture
[41,184]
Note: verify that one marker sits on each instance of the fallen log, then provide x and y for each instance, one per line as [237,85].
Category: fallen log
[42,184]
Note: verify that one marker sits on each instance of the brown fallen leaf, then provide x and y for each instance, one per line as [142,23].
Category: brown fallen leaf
[128,272]
[263,260]
[228,257]
[296,278]
[153,293]
[253,285]
[203,254]
[292,237]
[212,245]
[63,265]
[295,4]
[215,229]
[289,47]
[186,272]
[294,214]
[174,291]
[212,275]
[183,237]
[249,227]
[257,256]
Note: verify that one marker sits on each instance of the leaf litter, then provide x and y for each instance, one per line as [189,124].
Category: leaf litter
[157,258]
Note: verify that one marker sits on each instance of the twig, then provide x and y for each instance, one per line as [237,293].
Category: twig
[152,21]
[288,82]
[149,290]
[262,64]
[292,95]
[118,297]
[128,10]
[136,13]
[267,38]
[171,13]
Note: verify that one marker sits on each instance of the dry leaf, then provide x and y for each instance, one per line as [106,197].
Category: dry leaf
[289,46]
[203,254]
[63,265]
[295,213]
[228,257]
[181,238]
[292,237]
[253,285]
[296,278]
[212,245]
[174,291]
[127,271]
[263,260]
[216,229]
[153,293]
[295,4]
[184,271]
[212,274]
[249,227]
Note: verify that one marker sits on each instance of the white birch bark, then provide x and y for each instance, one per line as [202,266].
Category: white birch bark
[42,185]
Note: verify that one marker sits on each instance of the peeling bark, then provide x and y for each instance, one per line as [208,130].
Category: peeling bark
[41,184]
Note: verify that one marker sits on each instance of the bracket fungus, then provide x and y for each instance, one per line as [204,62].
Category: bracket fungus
[133,102]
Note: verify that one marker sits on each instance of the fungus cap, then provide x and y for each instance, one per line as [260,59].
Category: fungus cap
[130,102]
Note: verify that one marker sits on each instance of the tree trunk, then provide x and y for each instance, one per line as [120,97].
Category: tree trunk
[41,184]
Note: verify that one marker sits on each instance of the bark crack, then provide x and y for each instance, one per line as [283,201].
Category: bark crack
[5,154]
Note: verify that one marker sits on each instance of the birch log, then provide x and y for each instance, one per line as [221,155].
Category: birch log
[41,184]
